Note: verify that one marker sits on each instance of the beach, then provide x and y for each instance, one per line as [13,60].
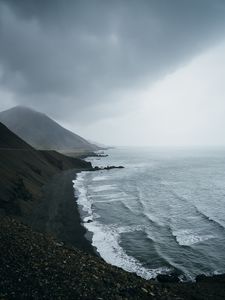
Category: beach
[36,265]
[45,253]
[58,214]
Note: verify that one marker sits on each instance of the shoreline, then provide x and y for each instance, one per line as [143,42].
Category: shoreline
[58,269]
[37,266]
[58,212]
[161,277]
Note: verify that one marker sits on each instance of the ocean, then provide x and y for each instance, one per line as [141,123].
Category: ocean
[163,213]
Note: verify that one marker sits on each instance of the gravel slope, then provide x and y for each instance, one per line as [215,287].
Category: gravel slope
[36,266]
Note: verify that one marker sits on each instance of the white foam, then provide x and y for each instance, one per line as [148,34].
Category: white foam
[114,195]
[106,238]
[87,219]
[99,178]
[81,193]
[108,201]
[102,188]
[127,229]
[187,237]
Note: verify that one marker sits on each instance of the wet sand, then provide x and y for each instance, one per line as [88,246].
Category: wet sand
[58,212]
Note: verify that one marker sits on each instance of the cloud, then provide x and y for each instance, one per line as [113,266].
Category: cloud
[74,59]
[186,108]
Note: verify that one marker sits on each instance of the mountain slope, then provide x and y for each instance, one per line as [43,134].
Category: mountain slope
[25,174]
[24,170]
[9,140]
[41,132]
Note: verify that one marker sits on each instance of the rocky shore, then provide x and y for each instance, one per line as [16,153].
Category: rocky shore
[44,252]
[36,266]
[57,212]
[107,168]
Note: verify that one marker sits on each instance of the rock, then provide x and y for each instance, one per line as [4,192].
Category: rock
[113,167]
[168,278]
[53,272]
[144,290]
[107,168]
[215,278]
[200,278]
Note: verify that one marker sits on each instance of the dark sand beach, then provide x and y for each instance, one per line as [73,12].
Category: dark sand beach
[44,251]
[58,214]
[35,265]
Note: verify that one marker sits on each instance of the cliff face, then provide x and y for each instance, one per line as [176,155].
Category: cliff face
[41,132]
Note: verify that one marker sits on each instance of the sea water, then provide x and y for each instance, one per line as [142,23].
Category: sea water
[164,212]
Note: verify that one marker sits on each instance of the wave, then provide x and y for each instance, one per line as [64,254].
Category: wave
[179,197]
[99,178]
[81,193]
[153,219]
[106,238]
[102,188]
[186,237]
[110,196]
[208,218]
[108,200]
[199,212]
[140,197]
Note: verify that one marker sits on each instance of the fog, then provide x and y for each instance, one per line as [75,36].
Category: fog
[186,108]
[147,73]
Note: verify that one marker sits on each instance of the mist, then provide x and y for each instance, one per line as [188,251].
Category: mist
[124,73]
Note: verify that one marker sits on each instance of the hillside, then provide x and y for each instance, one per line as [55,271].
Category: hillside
[36,188]
[36,266]
[41,132]
[10,141]
[61,273]
[23,170]
[24,177]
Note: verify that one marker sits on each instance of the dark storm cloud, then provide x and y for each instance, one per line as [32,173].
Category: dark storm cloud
[64,56]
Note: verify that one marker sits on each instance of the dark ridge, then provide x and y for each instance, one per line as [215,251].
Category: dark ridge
[26,192]
[10,141]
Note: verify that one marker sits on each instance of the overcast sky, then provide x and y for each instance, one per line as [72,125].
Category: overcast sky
[118,72]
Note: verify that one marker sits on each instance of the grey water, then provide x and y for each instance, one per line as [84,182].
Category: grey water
[164,212]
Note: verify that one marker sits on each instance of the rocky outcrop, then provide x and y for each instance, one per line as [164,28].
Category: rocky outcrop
[107,168]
